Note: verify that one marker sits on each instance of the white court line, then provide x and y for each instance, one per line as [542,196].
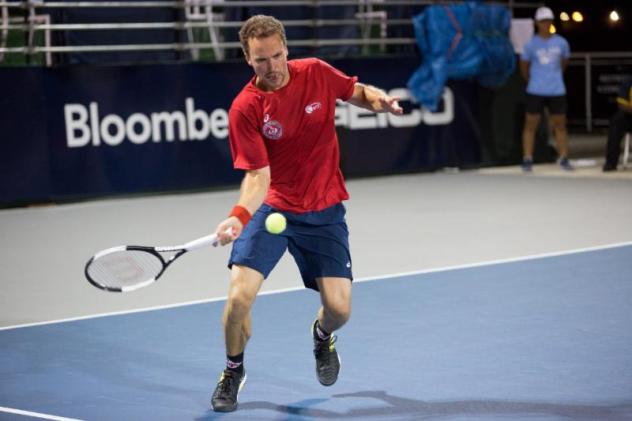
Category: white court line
[36,414]
[501,261]
[366,279]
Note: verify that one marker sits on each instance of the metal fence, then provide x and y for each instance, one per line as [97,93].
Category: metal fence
[378,24]
[209,32]
[601,74]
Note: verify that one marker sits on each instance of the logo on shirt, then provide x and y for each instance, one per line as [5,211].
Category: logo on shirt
[548,55]
[273,130]
[312,107]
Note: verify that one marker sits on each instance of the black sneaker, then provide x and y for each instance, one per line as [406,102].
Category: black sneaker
[527,165]
[225,396]
[327,360]
[565,164]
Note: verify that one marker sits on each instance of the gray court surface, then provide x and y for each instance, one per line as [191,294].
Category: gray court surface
[398,224]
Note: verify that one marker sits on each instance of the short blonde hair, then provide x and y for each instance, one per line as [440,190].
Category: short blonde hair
[260,26]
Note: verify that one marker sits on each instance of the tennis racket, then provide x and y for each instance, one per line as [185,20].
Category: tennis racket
[128,268]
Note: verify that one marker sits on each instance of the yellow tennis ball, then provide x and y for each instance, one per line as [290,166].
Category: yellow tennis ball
[275,223]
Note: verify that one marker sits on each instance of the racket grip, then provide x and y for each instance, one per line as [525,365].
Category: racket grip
[203,241]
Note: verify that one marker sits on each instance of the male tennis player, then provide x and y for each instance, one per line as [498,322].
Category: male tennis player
[542,63]
[281,131]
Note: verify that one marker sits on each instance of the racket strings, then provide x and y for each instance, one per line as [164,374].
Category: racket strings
[125,268]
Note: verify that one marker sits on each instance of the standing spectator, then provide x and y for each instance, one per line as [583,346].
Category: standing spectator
[620,123]
[542,63]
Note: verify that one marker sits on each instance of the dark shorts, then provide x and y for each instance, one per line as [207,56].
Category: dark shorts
[318,241]
[535,104]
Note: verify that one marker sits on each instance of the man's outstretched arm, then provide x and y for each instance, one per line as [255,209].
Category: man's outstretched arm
[374,99]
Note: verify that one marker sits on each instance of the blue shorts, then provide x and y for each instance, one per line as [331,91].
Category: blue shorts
[318,241]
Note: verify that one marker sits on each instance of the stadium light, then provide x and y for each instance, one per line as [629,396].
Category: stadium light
[614,16]
[552,29]
[564,17]
[577,16]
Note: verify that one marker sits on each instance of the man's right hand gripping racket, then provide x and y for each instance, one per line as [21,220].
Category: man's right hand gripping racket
[128,268]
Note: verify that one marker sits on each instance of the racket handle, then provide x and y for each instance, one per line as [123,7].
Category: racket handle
[203,241]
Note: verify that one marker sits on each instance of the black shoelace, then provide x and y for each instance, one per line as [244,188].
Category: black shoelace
[226,388]
[322,348]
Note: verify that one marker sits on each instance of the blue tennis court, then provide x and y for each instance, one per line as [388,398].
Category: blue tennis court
[536,338]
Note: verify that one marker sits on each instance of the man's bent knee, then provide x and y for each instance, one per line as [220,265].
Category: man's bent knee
[336,298]
[245,284]
[238,305]
[340,312]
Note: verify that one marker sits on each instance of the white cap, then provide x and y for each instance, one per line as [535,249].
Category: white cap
[544,13]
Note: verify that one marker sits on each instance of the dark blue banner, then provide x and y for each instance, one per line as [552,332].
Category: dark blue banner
[88,131]
[374,144]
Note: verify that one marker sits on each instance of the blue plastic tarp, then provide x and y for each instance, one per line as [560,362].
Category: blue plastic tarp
[461,41]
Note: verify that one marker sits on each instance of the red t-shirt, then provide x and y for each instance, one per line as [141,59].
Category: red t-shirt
[292,130]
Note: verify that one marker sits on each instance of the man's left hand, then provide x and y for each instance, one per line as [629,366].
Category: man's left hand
[390,104]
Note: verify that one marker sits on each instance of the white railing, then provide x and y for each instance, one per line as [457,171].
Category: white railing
[207,15]
[589,60]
